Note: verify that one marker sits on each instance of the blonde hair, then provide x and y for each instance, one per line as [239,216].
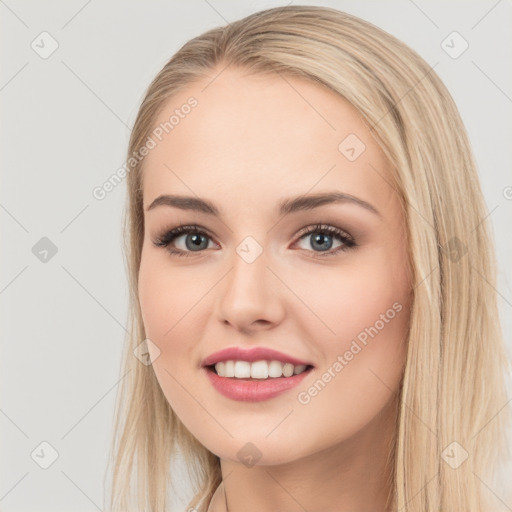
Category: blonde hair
[453,385]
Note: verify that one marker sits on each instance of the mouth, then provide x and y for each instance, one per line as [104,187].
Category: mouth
[252,389]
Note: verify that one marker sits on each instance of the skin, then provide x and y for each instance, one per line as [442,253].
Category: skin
[252,141]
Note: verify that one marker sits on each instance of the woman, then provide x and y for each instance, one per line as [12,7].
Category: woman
[311,277]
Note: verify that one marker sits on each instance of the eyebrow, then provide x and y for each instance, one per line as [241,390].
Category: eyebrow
[285,207]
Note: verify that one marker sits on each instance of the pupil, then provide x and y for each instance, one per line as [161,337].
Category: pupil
[321,240]
[195,241]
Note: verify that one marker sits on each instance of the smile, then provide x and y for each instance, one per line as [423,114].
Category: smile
[246,388]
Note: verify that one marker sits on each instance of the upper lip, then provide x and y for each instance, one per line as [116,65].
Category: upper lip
[251,355]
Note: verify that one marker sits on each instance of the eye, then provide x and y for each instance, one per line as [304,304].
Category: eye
[195,240]
[322,242]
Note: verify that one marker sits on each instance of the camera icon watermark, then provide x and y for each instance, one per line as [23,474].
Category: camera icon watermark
[454,45]
[351,147]
[146,352]
[249,249]
[44,455]
[44,45]
[454,455]
[454,249]
[44,250]
[249,454]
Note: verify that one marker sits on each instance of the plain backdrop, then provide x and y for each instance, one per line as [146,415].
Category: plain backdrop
[66,119]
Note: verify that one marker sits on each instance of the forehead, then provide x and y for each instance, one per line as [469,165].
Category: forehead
[261,135]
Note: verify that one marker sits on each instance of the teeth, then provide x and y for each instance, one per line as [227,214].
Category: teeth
[229,369]
[257,369]
[242,370]
[299,369]
[275,369]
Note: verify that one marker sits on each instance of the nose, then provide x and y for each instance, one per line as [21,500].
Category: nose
[250,297]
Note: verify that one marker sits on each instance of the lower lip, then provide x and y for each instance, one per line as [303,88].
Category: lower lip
[253,390]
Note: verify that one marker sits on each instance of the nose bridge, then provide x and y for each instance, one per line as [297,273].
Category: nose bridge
[250,250]
[249,295]
[249,267]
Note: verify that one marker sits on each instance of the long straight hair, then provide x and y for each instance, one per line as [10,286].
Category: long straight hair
[453,385]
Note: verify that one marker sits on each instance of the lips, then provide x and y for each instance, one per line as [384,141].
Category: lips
[254,390]
[250,355]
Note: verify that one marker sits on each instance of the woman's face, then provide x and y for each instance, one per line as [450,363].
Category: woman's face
[257,275]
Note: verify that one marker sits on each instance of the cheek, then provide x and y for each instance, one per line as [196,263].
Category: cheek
[363,362]
[356,297]
[174,312]
[165,296]
[162,308]
[367,310]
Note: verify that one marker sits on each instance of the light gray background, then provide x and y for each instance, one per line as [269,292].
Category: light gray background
[65,127]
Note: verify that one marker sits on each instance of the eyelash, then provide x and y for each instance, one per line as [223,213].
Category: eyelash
[169,236]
